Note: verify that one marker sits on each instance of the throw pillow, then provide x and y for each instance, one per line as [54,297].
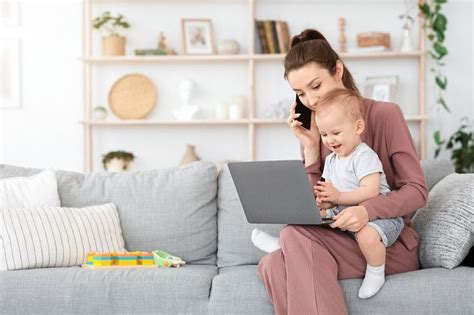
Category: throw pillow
[57,237]
[35,191]
[445,223]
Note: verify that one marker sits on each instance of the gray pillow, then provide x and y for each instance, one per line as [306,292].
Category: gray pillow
[169,209]
[235,246]
[446,222]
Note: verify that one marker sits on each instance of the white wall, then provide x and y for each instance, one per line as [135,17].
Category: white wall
[45,132]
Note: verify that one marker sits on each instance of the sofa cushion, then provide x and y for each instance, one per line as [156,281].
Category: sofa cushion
[33,191]
[238,290]
[74,290]
[445,223]
[234,232]
[169,209]
[57,237]
[435,170]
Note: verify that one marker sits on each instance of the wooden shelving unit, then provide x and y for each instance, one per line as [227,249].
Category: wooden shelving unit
[251,59]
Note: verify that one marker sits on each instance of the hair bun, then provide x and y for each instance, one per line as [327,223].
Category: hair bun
[307,34]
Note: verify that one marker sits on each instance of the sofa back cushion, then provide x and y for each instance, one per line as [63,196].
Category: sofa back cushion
[169,209]
[235,246]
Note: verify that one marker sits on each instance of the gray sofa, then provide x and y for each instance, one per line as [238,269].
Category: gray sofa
[194,212]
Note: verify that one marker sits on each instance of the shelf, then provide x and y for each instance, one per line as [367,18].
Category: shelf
[171,58]
[202,122]
[220,58]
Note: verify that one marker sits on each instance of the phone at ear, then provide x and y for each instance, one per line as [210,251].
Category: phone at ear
[305,112]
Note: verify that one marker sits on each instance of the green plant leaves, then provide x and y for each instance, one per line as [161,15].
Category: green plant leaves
[443,103]
[442,82]
[437,137]
[440,49]
[425,8]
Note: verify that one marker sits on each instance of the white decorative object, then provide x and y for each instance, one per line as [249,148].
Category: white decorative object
[222,111]
[228,47]
[100,113]
[187,89]
[10,73]
[381,88]
[278,110]
[407,40]
[235,111]
[34,191]
[57,237]
[116,165]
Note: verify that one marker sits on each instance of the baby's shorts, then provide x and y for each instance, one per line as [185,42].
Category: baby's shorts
[388,229]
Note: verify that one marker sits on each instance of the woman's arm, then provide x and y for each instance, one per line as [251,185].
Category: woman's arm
[410,191]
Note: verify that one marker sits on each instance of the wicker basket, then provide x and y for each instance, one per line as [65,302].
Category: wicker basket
[373,39]
[132,97]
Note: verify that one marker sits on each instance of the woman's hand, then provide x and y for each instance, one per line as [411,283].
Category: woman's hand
[326,192]
[308,138]
[351,219]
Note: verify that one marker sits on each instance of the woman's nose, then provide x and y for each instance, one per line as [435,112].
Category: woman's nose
[313,100]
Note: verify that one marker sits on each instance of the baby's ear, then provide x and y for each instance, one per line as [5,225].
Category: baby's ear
[360,126]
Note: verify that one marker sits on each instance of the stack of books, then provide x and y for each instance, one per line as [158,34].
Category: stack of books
[271,37]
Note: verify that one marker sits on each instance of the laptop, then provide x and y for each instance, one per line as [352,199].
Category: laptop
[276,192]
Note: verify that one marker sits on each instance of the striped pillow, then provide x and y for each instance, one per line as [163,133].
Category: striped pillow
[55,236]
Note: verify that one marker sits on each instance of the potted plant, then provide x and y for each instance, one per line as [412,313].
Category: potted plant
[461,143]
[117,161]
[113,44]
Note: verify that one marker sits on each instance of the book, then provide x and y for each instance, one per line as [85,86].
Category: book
[262,37]
[267,24]
[283,36]
[258,43]
[275,37]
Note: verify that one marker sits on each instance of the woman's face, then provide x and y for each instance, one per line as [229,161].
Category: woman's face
[311,82]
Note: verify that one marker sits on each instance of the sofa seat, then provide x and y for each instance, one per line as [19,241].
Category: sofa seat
[238,290]
[182,290]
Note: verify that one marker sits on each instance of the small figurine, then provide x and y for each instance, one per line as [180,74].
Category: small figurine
[162,45]
[342,34]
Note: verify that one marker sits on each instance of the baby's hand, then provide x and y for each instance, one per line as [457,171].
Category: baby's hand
[326,192]
[324,205]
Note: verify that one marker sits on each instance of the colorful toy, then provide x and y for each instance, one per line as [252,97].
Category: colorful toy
[125,259]
[145,258]
[163,259]
[102,259]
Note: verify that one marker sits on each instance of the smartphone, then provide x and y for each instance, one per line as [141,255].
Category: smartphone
[305,112]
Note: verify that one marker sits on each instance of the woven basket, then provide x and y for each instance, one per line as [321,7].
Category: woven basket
[132,97]
[373,39]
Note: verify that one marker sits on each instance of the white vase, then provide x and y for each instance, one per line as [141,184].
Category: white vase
[228,47]
[222,111]
[407,41]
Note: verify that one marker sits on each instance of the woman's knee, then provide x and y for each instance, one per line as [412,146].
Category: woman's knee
[288,232]
[269,262]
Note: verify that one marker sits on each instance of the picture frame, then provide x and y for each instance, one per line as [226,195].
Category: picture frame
[10,73]
[197,36]
[381,88]
[9,13]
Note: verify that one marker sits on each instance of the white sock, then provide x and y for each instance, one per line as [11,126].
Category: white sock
[373,281]
[264,241]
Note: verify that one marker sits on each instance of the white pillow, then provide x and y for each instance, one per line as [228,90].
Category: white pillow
[35,191]
[57,237]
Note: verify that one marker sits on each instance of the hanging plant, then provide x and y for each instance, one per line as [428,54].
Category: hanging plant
[435,27]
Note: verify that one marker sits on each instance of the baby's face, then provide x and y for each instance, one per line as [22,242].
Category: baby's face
[339,132]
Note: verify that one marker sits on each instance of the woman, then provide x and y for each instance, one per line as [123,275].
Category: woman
[302,276]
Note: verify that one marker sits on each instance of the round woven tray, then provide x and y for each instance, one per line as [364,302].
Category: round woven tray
[132,97]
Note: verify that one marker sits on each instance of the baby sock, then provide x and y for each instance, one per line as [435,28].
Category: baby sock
[373,281]
[265,241]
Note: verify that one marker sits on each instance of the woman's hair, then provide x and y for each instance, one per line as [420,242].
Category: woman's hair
[348,101]
[311,46]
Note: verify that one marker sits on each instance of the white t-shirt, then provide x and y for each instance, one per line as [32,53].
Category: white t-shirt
[347,173]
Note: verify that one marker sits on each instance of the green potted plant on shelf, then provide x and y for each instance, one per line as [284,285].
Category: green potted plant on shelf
[461,144]
[113,44]
[117,161]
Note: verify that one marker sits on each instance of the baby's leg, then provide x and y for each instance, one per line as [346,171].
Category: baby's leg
[373,250]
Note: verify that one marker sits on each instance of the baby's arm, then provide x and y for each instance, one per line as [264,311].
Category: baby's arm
[369,188]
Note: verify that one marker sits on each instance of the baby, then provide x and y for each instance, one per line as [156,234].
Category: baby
[353,174]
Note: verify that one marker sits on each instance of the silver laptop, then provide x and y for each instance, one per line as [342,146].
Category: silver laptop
[276,192]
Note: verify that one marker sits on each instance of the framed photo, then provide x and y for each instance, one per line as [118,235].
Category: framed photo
[197,36]
[10,73]
[9,13]
[381,88]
